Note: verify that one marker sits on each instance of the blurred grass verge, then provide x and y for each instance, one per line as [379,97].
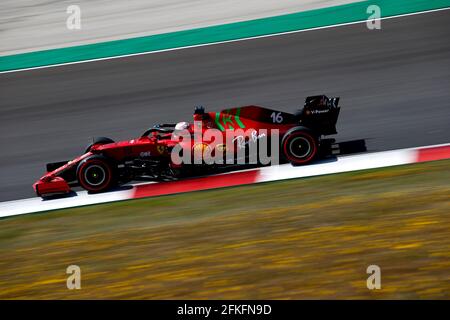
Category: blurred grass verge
[298,239]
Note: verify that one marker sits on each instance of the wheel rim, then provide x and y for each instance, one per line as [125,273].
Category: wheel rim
[95,175]
[300,147]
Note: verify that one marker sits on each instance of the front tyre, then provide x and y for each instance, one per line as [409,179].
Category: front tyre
[96,174]
[98,141]
[300,146]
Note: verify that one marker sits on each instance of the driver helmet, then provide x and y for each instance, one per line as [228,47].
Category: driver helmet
[181,126]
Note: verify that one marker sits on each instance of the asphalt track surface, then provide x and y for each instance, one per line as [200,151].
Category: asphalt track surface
[394,86]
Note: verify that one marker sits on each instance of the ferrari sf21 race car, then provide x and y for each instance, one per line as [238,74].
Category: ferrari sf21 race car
[105,164]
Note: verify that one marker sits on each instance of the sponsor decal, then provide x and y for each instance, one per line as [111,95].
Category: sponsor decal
[201,147]
[225,120]
[161,149]
[221,147]
[209,147]
[254,137]
[317,111]
[145,154]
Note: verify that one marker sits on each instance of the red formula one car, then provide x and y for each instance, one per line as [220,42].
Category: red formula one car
[106,163]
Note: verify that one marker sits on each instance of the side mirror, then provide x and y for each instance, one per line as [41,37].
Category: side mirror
[199,110]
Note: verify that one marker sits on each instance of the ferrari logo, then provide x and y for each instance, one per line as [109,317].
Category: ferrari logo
[161,149]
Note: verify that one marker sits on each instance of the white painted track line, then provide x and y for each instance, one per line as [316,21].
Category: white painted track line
[82,198]
[339,165]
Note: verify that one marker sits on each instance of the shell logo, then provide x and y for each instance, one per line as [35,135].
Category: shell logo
[200,147]
[221,147]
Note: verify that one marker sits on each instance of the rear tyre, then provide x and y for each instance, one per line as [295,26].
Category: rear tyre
[96,174]
[299,146]
[98,141]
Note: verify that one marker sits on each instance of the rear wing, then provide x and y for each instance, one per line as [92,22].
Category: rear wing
[320,114]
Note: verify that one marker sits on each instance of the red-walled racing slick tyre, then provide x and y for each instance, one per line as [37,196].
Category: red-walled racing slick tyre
[96,174]
[299,146]
[98,141]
